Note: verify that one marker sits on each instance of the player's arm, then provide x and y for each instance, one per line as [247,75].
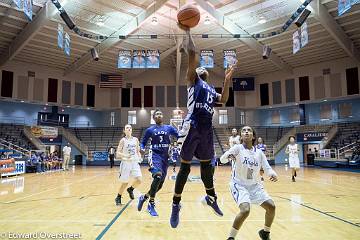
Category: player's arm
[145,140]
[188,46]
[119,149]
[174,132]
[224,96]
[231,153]
[287,149]
[267,168]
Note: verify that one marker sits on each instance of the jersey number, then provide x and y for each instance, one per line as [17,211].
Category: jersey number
[210,98]
[161,138]
[250,173]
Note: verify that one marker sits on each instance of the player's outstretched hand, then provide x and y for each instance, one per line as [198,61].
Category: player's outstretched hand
[229,72]
[273,178]
[183,27]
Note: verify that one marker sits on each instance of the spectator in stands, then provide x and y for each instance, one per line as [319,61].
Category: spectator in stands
[2,156]
[111,152]
[234,138]
[261,146]
[316,152]
[66,154]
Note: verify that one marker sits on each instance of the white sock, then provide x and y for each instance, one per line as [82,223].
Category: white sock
[233,232]
[267,229]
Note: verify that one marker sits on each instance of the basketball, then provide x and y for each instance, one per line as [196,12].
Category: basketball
[189,16]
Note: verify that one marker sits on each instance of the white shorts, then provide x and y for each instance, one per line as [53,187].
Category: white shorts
[127,169]
[294,162]
[254,194]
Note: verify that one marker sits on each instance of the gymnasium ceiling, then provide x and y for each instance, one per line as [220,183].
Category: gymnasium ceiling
[330,37]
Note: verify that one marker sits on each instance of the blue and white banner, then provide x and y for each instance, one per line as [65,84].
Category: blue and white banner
[353,2]
[19,169]
[244,84]
[139,59]
[229,58]
[311,136]
[60,36]
[67,44]
[304,35]
[296,42]
[207,58]
[28,8]
[100,156]
[343,6]
[18,3]
[152,59]
[124,59]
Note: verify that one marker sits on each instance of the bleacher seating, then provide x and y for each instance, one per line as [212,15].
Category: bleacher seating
[347,133]
[15,134]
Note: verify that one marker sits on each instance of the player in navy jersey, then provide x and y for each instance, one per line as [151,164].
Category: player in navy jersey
[159,136]
[196,133]
[174,153]
[261,145]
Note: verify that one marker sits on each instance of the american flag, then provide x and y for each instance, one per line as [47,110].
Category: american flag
[111,81]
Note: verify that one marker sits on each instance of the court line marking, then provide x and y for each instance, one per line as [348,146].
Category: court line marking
[51,189]
[322,212]
[113,221]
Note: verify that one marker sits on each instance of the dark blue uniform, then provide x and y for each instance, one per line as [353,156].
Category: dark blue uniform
[197,126]
[174,154]
[159,136]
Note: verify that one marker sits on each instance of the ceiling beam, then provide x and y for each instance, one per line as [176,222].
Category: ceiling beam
[233,28]
[26,34]
[334,29]
[130,27]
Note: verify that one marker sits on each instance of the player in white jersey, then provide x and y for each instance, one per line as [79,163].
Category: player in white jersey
[129,153]
[293,151]
[234,138]
[245,185]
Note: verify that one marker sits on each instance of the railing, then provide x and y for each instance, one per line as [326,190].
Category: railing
[34,140]
[12,120]
[15,147]
[74,140]
[217,138]
[331,134]
[282,141]
[347,148]
[270,153]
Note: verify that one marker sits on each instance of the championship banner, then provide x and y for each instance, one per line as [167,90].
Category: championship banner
[60,36]
[296,42]
[67,44]
[353,2]
[28,8]
[139,59]
[343,6]
[229,58]
[100,156]
[124,59]
[244,84]
[18,3]
[152,59]
[207,58]
[44,132]
[304,35]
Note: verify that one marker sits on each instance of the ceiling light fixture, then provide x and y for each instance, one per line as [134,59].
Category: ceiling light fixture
[262,20]
[207,20]
[154,21]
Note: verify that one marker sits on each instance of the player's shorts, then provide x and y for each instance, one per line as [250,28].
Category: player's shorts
[254,194]
[127,169]
[294,162]
[158,163]
[199,143]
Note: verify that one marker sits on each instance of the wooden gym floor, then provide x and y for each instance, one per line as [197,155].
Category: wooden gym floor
[322,204]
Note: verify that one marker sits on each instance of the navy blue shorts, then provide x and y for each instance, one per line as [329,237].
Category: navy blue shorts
[199,143]
[158,163]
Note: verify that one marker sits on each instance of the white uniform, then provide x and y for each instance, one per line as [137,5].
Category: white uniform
[234,140]
[245,184]
[129,165]
[294,161]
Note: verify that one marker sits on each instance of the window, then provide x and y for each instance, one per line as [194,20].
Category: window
[132,117]
[223,117]
[242,118]
[325,112]
[151,117]
[345,110]
[112,118]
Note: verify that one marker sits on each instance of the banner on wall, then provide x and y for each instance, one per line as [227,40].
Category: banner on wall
[207,58]
[296,42]
[44,132]
[28,8]
[139,59]
[124,59]
[343,6]
[152,59]
[18,3]
[60,36]
[100,156]
[353,2]
[244,84]
[19,169]
[67,44]
[229,58]
[311,136]
[304,35]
